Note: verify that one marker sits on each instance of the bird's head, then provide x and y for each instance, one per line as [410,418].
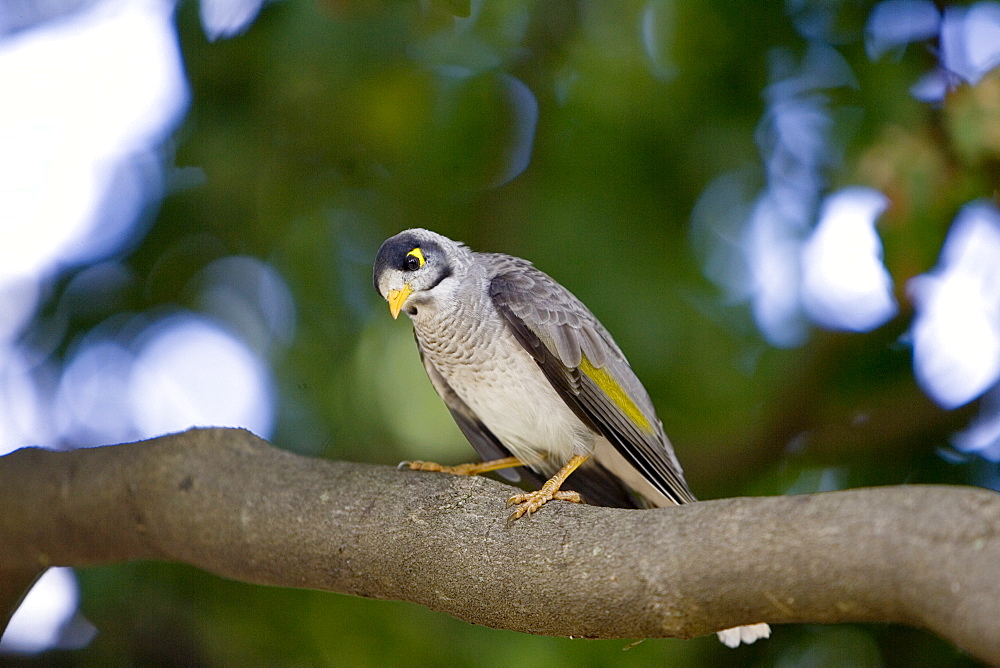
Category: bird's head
[413,268]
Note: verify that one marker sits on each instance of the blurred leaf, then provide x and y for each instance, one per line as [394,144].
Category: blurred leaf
[461,8]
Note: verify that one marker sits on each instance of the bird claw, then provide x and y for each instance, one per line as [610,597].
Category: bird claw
[417,465]
[530,502]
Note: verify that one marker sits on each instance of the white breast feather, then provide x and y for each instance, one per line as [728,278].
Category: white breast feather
[507,390]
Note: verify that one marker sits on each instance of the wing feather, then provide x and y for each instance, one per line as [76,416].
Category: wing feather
[558,331]
[597,485]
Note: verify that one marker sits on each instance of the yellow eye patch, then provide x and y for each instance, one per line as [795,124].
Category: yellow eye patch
[419,254]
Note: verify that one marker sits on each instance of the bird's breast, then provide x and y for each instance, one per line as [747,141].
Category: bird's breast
[508,392]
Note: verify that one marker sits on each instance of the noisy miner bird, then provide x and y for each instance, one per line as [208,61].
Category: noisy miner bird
[533,380]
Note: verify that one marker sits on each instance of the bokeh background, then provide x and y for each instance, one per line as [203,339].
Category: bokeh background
[785,213]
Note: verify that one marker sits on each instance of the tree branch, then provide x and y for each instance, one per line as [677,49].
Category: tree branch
[227,502]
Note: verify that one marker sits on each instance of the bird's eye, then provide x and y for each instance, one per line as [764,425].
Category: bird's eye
[414,260]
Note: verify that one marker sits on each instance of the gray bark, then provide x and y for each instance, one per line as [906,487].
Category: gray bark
[227,502]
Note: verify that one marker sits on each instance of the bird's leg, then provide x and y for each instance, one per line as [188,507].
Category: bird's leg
[531,501]
[464,469]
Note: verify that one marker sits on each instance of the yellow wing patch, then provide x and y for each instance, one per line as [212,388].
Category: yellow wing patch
[419,254]
[611,388]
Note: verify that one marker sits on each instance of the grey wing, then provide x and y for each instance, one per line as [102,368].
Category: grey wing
[596,484]
[559,332]
[482,439]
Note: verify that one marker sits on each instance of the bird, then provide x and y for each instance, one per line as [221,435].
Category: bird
[534,381]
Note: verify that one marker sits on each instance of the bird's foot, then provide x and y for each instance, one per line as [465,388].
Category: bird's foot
[463,469]
[530,502]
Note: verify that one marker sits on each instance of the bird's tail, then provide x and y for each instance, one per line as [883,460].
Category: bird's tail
[744,634]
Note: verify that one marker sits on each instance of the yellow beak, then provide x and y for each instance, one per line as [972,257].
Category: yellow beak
[396,299]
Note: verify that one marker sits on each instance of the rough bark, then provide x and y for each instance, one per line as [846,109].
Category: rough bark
[227,502]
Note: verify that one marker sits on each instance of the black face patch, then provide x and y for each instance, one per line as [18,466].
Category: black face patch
[393,254]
